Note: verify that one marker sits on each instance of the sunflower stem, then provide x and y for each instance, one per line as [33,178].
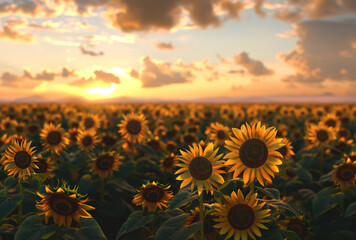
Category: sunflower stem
[201,216]
[20,205]
[102,189]
[321,159]
[252,187]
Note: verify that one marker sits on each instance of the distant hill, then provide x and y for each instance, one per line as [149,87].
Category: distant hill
[326,98]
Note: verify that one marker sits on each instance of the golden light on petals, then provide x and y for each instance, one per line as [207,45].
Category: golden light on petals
[105,163]
[253,153]
[152,195]
[133,128]
[345,174]
[200,168]
[240,217]
[54,138]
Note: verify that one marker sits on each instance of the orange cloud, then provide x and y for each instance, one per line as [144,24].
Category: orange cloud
[253,67]
[164,46]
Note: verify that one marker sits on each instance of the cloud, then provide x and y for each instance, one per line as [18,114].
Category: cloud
[133,73]
[258,8]
[12,80]
[67,72]
[287,15]
[233,9]
[253,67]
[202,12]
[45,75]
[152,15]
[324,51]
[157,74]
[26,7]
[89,52]
[100,77]
[8,32]
[165,46]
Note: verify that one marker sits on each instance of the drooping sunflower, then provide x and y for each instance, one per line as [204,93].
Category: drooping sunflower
[200,167]
[133,127]
[19,159]
[218,133]
[152,195]
[63,205]
[87,139]
[210,232]
[320,135]
[90,121]
[254,152]
[54,138]
[168,163]
[45,166]
[105,163]
[286,150]
[241,216]
[345,174]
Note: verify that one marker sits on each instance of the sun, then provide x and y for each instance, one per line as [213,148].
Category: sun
[103,91]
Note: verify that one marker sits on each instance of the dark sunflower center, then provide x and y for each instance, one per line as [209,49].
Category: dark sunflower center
[104,162]
[221,135]
[7,125]
[189,139]
[283,151]
[54,138]
[168,162]
[330,123]
[322,135]
[343,133]
[346,172]
[42,165]
[108,141]
[241,216]
[89,122]
[87,141]
[63,204]
[253,153]
[153,193]
[33,129]
[22,159]
[200,168]
[133,127]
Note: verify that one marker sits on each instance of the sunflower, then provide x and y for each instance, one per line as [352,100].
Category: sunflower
[286,150]
[218,133]
[331,121]
[45,166]
[105,164]
[296,224]
[133,127]
[87,139]
[152,195]
[90,121]
[168,163]
[63,206]
[345,174]
[7,124]
[4,140]
[73,134]
[108,140]
[200,167]
[53,138]
[171,147]
[210,232]
[241,216]
[254,152]
[320,135]
[19,159]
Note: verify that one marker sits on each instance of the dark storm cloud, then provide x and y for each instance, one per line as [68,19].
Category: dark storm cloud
[253,67]
[326,50]
[156,74]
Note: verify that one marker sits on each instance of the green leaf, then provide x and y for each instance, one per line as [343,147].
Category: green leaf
[326,199]
[9,205]
[145,148]
[32,228]
[136,220]
[280,204]
[125,169]
[10,181]
[181,198]
[326,177]
[271,234]
[85,184]
[89,229]
[171,227]
[270,192]
[187,232]
[225,184]
[290,235]
[351,210]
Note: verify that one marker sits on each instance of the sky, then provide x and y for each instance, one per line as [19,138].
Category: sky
[176,49]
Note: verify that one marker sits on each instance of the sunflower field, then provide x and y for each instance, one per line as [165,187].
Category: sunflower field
[177,171]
